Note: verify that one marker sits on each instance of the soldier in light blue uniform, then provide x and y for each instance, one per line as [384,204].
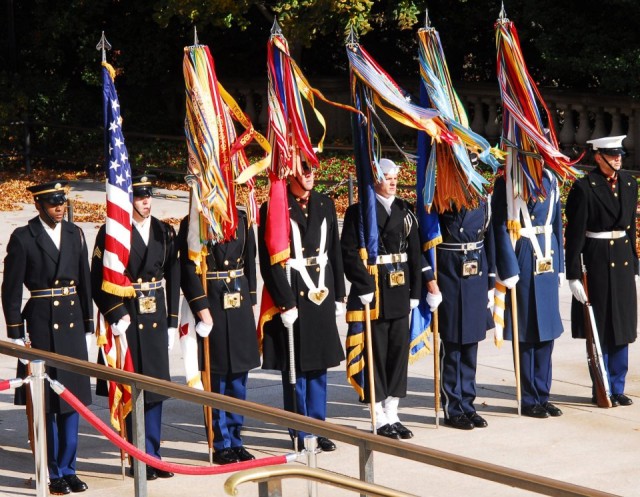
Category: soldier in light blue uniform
[536,268]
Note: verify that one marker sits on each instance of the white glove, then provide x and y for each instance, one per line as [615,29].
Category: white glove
[289,317]
[339,309]
[171,333]
[366,299]
[511,282]
[578,291]
[434,300]
[561,279]
[120,328]
[203,329]
[637,278]
[491,295]
[413,303]
[20,343]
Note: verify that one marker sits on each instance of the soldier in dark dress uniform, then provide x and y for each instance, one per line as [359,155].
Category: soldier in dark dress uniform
[399,287]
[536,268]
[601,225]
[49,257]
[148,322]
[466,275]
[316,273]
[233,344]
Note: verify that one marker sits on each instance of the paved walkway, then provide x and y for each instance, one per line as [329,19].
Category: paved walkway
[593,447]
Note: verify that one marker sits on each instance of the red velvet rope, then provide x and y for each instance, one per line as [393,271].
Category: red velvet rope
[132,450]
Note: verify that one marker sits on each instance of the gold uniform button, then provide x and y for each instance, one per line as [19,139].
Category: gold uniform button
[533,217]
[154,325]
[56,303]
[611,242]
[140,326]
[55,326]
[153,279]
[226,263]
[317,270]
[73,302]
[626,241]
[302,294]
[628,227]
[56,282]
[615,194]
[71,325]
[318,249]
[139,280]
[626,263]
[613,264]
[228,280]
[71,283]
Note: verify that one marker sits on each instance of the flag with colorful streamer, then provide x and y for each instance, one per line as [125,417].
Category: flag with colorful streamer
[528,134]
[291,144]
[119,394]
[217,158]
[117,245]
[459,183]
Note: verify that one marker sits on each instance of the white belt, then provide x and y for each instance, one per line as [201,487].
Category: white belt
[462,247]
[535,230]
[605,235]
[391,258]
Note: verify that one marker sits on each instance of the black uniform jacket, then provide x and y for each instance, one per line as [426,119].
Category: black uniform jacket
[56,324]
[147,334]
[465,298]
[317,343]
[611,264]
[397,233]
[233,342]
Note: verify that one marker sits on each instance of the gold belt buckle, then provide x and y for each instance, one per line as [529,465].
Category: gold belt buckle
[396,278]
[146,305]
[65,290]
[231,300]
[544,265]
[144,286]
[470,268]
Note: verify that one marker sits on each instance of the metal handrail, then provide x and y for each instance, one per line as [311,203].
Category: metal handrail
[366,442]
[266,473]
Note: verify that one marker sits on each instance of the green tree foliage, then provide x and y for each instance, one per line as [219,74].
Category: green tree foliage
[50,68]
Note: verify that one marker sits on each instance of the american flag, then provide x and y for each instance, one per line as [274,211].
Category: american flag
[117,243]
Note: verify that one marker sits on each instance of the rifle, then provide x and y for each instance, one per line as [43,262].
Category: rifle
[594,352]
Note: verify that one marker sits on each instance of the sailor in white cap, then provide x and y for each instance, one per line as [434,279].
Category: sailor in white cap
[601,226]
[398,290]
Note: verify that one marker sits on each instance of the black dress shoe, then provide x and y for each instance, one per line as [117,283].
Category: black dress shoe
[164,474]
[59,486]
[621,399]
[477,420]
[553,411]
[614,402]
[326,445]
[225,456]
[460,422]
[151,473]
[243,454]
[388,431]
[404,432]
[535,411]
[75,483]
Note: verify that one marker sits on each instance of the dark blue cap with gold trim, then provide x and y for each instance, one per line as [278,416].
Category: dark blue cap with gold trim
[52,192]
[142,185]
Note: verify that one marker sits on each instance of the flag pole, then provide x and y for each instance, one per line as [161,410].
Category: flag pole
[123,426]
[206,379]
[436,352]
[370,375]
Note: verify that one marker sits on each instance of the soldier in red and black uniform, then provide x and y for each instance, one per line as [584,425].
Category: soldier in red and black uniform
[49,257]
